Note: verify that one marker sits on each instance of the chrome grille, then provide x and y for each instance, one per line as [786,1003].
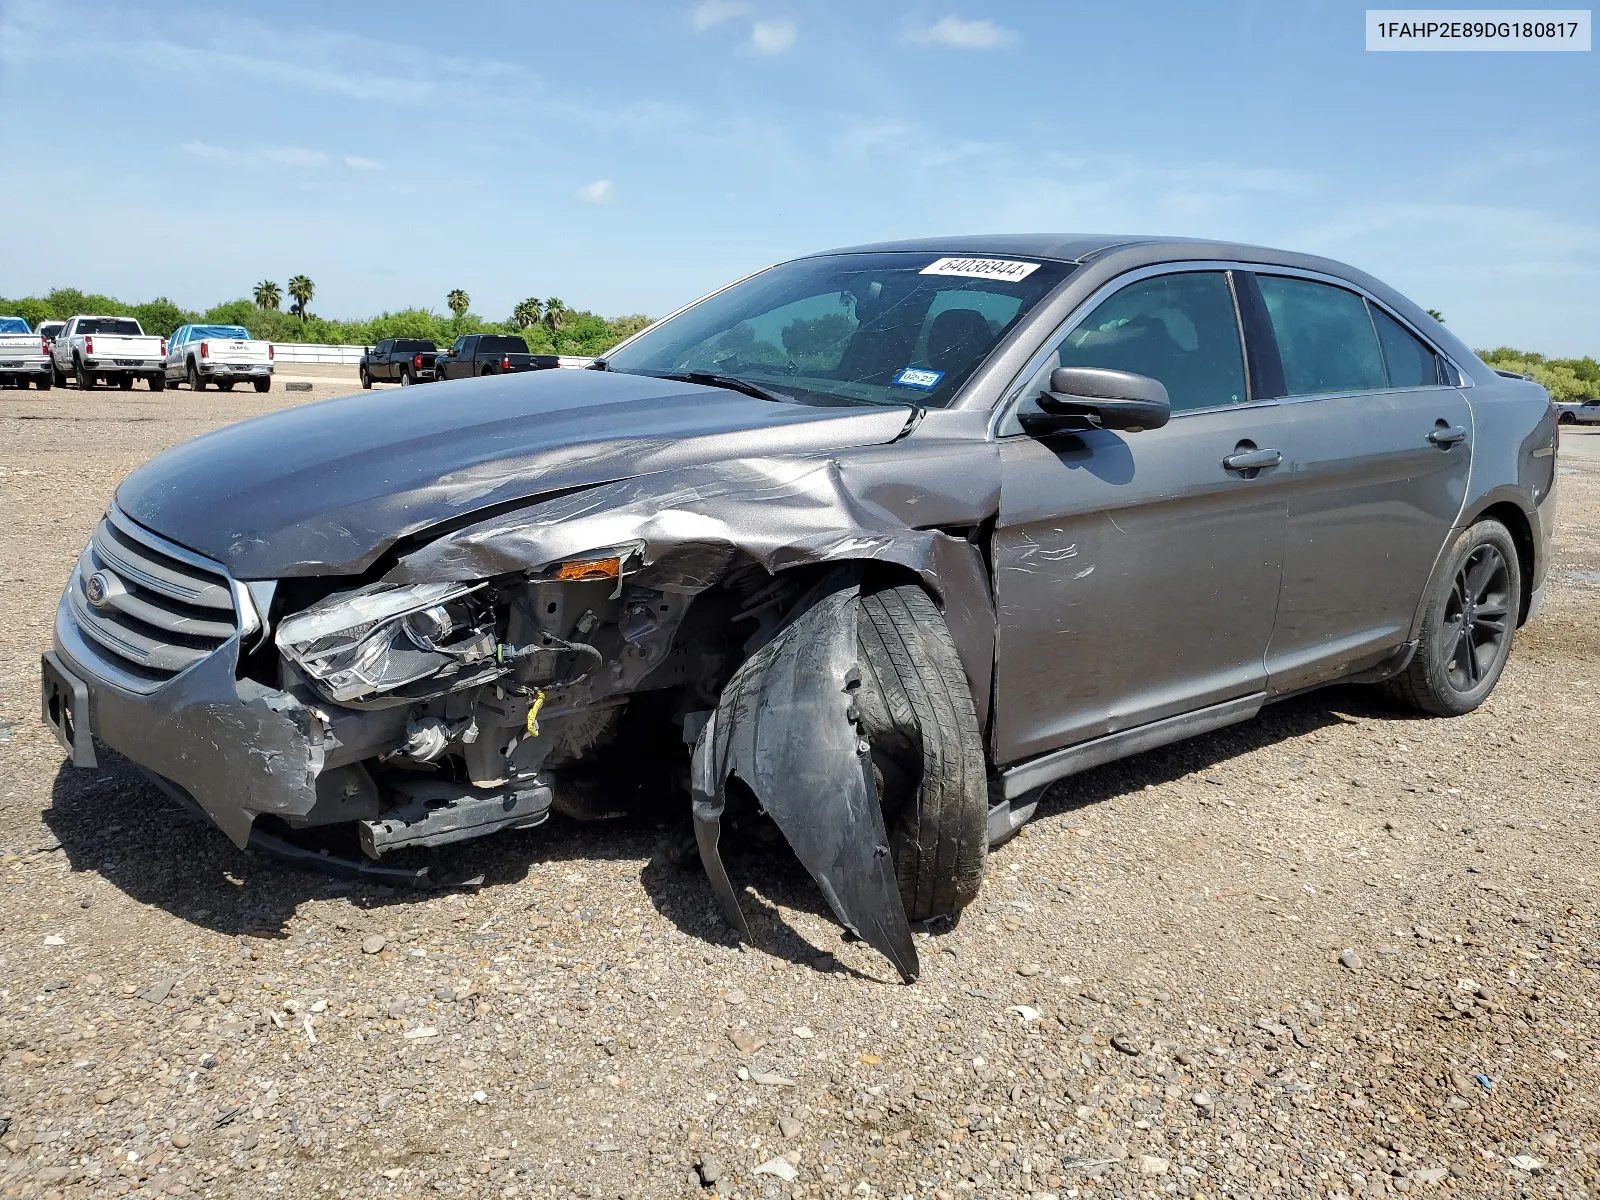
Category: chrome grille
[151,608]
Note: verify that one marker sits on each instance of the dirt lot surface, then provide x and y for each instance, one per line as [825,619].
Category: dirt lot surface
[1338,950]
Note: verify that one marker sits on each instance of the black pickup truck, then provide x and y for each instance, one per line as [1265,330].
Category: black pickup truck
[490,354]
[399,360]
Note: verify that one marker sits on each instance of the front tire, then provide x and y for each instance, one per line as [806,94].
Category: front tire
[1467,627]
[43,382]
[125,382]
[366,380]
[156,382]
[927,751]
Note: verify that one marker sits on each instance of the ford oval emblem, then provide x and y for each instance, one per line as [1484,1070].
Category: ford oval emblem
[97,589]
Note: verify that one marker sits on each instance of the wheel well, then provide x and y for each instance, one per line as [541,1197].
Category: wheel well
[1516,523]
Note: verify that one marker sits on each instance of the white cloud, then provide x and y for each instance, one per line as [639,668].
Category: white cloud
[278,156]
[600,191]
[956,34]
[772,37]
[714,12]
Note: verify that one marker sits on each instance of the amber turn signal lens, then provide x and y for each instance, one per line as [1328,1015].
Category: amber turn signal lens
[595,568]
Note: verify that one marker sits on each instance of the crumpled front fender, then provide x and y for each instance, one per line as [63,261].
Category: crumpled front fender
[786,724]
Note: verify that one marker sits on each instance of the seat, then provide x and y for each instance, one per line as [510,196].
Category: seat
[958,338]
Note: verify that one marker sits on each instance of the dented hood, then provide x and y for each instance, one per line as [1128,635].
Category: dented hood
[326,488]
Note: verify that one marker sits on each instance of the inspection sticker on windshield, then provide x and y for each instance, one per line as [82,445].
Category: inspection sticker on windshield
[1005,270]
[918,377]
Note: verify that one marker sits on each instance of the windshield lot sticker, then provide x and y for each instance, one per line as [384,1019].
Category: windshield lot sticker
[1000,269]
[917,377]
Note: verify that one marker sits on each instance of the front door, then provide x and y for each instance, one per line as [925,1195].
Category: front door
[1136,574]
[1379,451]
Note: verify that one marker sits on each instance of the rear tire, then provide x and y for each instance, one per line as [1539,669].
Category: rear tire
[125,382]
[405,378]
[156,382]
[225,385]
[1567,418]
[1467,627]
[42,383]
[84,378]
[57,375]
[196,382]
[917,712]
[263,385]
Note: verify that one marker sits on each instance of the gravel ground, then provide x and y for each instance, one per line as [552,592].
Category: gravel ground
[1336,951]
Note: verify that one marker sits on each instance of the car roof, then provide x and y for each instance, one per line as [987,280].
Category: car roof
[1064,247]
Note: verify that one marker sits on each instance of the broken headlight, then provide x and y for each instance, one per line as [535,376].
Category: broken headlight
[377,639]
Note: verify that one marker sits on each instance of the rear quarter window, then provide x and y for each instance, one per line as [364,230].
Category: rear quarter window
[1409,360]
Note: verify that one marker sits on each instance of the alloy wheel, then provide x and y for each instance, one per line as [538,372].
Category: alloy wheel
[1477,618]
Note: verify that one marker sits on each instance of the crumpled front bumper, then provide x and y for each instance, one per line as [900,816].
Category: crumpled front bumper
[237,748]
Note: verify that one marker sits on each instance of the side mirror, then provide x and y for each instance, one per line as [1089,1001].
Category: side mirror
[1083,398]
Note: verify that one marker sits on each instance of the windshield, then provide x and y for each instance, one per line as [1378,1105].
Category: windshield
[893,328]
[14,325]
[219,331]
[116,325]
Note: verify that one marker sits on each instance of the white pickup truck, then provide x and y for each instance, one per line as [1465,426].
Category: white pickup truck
[115,349]
[219,354]
[22,356]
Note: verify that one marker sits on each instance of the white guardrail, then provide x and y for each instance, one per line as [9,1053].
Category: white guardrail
[311,352]
[350,356]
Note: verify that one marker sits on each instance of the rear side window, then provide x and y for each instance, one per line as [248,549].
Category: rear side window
[1410,362]
[1180,329]
[1324,336]
[413,345]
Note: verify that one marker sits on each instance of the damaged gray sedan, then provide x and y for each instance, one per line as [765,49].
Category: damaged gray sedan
[872,545]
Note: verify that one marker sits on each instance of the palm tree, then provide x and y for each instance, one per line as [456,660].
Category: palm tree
[302,289]
[527,313]
[267,295]
[459,302]
[554,309]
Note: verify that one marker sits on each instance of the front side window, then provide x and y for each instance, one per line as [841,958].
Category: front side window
[898,327]
[460,345]
[1325,338]
[1410,361]
[1180,329]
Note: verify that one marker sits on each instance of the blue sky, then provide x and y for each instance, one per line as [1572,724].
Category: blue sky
[629,156]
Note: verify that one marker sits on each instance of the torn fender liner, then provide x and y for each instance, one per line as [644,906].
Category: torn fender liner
[786,726]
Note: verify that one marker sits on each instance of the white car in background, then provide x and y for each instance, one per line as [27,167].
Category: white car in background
[1579,412]
[22,356]
[219,354]
[115,349]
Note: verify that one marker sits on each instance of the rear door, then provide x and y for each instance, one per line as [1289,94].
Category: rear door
[1379,450]
[1136,574]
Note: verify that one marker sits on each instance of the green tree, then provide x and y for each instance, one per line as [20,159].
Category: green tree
[458,302]
[527,313]
[554,311]
[1435,314]
[160,316]
[302,289]
[267,295]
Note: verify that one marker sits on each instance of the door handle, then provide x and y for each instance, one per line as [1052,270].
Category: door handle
[1445,437]
[1252,460]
